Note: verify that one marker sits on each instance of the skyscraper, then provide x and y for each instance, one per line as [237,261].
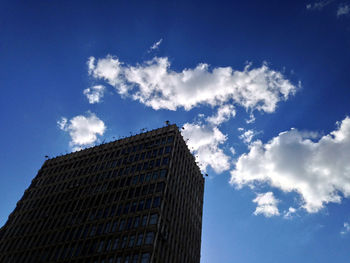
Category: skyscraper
[134,200]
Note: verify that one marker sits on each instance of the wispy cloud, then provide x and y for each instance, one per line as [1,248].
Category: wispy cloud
[83,130]
[346,229]
[319,5]
[290,213]
[266,205]
[155,45]
[94,94]
[343,9]
[247,135]
[295,161]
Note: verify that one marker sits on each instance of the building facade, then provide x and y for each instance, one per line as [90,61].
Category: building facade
[134,200]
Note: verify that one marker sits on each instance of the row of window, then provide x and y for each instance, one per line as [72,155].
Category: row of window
[76,205]
[91,189]
[110,155]
[82,232]
[77,218]
[112,164]
[112,174]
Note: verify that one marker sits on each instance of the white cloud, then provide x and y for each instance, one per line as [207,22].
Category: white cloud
[224,113]
[156,45]
[318,5]
[62,124]
[247,136]
[83,130]
[289,214]
[318,169]
[94,94]
[266,205]
[251,119]
[346,228]
[108,69]
[204,141]
[154,84]
[343,10]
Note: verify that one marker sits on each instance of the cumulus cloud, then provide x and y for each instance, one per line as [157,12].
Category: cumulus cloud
[156,85]
[205,141]
[83,130]
[343,9]
[155,45]
[94,94]
[318,5]
[346,229]
[266,205]
[318,169]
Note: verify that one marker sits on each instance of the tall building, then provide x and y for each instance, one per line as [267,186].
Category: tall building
[134,200]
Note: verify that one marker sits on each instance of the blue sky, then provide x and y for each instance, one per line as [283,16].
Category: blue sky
[261,89]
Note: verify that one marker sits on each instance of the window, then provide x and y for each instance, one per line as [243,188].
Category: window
[156,202]
[129,223]
[149,238]
[115,243]
[124,242]
[160,187]
[145,258]
[151,188]
[135,179]
[126,208]
[131,241]
[163,173]
[145,166]
[137,222]
[122,225]
[144,220]
[165,161]
[133,207]
[99,229]
[155,175]
[140,207]
[142,176]
[135,259]
[148,203]
[107,227]
[168,149]
[93,231]
[109,244]
[153,219]
[139,240]
[114,227]
[100,247]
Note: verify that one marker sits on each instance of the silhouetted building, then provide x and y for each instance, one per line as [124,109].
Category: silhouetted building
[134,200]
